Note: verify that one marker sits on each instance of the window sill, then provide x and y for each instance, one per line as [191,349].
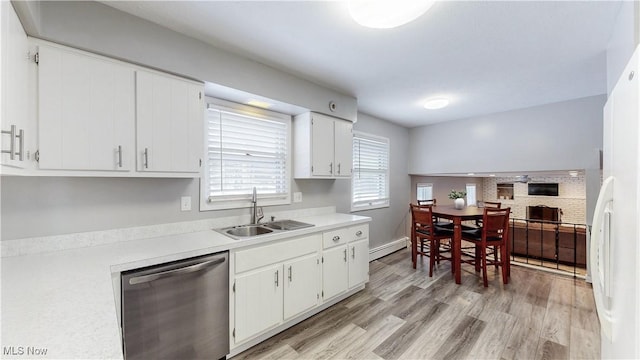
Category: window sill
[370,207]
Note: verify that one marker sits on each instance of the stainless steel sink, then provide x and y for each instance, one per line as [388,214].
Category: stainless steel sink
[248,230]
[245,231]
[287,225]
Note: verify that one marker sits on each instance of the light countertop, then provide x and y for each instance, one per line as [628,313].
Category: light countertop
[65,301]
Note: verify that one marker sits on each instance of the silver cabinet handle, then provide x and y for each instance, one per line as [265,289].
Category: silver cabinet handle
[345,255]
[336,238]
[119,156]
[21,153]
[180,271]
[12,143]
[353,252]
[359,233]
[338,168]
[330,168]
[277,276]
[146,158]
[290,274]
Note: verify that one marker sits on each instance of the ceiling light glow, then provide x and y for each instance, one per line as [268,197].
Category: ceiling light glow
[436,103]
[259,103]
[573,173]
[386,14]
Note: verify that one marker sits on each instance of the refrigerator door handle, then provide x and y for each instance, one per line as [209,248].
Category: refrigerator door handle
[600,256]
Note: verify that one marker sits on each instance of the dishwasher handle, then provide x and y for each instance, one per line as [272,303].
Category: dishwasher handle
[180,271]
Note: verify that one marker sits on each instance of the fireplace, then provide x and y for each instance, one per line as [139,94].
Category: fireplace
[544,213]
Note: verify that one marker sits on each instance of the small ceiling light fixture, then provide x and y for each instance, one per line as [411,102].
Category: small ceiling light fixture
[573,173]
[470,174]
[259,103]
[387,14]
[436,103]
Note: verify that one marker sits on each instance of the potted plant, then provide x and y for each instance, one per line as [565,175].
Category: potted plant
[458,198]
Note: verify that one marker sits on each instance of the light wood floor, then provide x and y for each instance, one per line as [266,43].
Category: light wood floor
[404,314]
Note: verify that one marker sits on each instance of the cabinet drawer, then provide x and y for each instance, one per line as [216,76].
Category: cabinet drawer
[335,237]
[270,254]
[359,232]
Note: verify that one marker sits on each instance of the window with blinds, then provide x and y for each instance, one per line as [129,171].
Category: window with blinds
[471,195]
[370,180]
[424,191]
[245,151]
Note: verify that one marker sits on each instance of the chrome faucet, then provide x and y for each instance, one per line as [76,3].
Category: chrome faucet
[256,212]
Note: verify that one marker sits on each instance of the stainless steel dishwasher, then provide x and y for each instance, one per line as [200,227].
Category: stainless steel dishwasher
[178,310]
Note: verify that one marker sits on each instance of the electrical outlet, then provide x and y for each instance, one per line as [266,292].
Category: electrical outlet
[297,197]
[185,203]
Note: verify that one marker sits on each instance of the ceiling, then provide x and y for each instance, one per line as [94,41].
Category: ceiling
[487,57]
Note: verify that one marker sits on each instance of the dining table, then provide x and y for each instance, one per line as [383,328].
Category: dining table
[457,216]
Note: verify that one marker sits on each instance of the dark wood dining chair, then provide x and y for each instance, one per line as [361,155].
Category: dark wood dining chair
[438,222]
[491,205]
[423,230]
[494,232]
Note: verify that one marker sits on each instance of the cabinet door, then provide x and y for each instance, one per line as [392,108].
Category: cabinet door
[343,136]
[258,301]
[322,148]
[169,123]
[14,75]
[86,112]
[334,271]
[358,262]
[301,289]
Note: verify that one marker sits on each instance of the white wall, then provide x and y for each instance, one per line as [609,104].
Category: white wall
[624,39]
[559,136]
[389,223]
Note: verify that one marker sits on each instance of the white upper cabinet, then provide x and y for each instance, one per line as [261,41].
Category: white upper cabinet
[322,147]
[103,117]
[86,112]
[16,125]
[169,123]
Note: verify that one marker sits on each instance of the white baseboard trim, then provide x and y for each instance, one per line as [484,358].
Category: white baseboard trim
[388,248]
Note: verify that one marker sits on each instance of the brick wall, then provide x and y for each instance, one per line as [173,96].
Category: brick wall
[571,196]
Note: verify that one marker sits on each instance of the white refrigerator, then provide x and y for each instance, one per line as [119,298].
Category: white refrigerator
[615,238]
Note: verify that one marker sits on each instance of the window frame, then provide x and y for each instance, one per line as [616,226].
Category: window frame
[224,203]
[387,202]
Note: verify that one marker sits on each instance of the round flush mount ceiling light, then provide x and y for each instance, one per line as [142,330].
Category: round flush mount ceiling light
[436,103]
[386,14]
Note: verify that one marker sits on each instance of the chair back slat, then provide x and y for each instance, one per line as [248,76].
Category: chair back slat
[427,202]
[492,205]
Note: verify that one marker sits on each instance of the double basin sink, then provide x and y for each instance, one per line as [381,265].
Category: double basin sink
[244,231]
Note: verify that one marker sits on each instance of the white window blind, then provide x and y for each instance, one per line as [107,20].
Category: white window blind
[424,191]
[370,182]
[244,152]
[471,195]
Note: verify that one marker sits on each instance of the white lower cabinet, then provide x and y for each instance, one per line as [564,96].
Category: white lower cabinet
[334,271]
[345,259]
[258,301]
[276,283]
[358,262]
[300,285]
